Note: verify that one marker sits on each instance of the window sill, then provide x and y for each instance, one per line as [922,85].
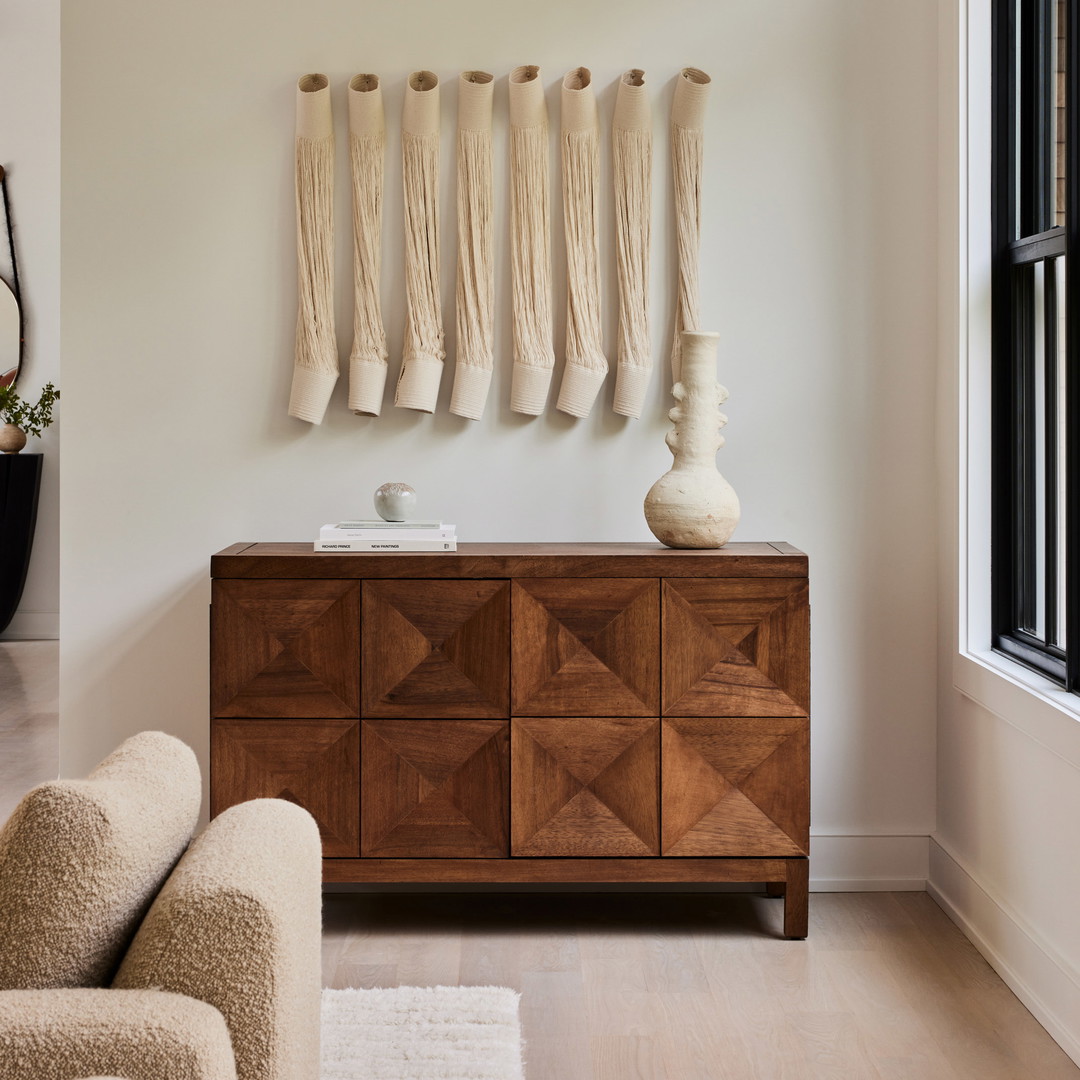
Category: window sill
[1022,698]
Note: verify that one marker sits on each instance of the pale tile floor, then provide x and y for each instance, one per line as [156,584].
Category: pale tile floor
[621,986]
[29,732]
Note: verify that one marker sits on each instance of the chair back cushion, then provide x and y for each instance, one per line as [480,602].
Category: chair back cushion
[81,861]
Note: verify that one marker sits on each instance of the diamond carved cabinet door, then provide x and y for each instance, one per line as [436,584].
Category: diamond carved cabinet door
[435,649]
[313,763]
[285,648]
[586,647]
[736,647]
[584,786]
[735,786]
[435,789]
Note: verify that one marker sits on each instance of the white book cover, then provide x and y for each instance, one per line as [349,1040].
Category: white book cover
[382,523]
[336,532]
[385,545]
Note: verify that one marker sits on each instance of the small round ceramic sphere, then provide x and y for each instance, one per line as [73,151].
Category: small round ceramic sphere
[395,502]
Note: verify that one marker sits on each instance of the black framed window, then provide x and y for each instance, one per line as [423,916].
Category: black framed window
[1036,335]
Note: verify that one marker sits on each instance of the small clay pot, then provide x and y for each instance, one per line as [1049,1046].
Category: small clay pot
[12,439]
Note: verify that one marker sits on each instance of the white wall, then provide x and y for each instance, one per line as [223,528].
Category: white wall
[819,270]
[1003,858]
[30,152]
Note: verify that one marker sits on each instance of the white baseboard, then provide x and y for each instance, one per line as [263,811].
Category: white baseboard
[33,626]
[869,863]
[1030,966]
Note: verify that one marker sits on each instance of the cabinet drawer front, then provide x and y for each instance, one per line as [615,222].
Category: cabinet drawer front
[313,763]
[735,786]
[285,648]
[435,789]
[736,647]
[586,647]
[436,648]
[584,786]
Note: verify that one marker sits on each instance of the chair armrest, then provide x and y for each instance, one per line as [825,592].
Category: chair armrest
[238,925]
[137,1034]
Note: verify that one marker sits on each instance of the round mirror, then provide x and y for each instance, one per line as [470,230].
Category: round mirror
[9,335]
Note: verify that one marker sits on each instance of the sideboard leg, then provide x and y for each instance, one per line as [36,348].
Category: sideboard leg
[775,888]
[796,898]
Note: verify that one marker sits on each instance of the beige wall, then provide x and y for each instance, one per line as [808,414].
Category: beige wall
[818,270]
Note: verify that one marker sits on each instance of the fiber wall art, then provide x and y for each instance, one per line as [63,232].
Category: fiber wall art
[476,247]
[530,271]
[586,365]
[367,154]
[315,369]
[530,242]
[422,362]
[631,154]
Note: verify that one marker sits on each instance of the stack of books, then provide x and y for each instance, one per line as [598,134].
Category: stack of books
[387,536]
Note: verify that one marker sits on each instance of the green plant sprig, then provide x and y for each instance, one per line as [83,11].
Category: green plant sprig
[31,419]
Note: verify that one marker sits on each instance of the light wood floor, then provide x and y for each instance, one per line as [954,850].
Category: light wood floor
[617,986]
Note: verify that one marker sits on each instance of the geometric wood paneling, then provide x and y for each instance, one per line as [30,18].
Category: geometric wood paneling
[434,788]
[736,647]
[584,787]
[586,647]
[436,648]
[285,648]
[532,712]
[735,786]
[313,763]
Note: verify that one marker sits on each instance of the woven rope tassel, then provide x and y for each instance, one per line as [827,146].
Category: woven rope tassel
[631,147]
[530,245]
[367,153]
[586,365]
[476,247]
[687,156]
[315,369]
[422,362]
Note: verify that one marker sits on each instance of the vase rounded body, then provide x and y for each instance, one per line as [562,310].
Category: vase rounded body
[692,505]
[12,439]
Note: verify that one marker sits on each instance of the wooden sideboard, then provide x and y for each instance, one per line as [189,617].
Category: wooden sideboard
[523,712]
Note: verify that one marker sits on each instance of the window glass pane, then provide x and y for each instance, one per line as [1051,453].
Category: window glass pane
[1036,503]
[1062,399]
[1017,123]
[1059,113]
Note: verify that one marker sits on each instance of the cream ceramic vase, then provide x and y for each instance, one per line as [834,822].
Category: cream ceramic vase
[12,439]
[692,505]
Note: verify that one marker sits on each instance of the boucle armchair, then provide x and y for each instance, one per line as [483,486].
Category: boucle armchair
[123,954]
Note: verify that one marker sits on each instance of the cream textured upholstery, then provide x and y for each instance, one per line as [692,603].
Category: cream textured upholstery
[237,925]
[136,1034]
[80,861]
[221,978]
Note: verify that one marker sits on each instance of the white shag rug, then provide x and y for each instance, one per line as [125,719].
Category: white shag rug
[422,1033]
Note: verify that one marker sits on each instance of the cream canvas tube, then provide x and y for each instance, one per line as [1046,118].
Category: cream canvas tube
[530,242]
[586,365]
[687,161]
[476,248]
[631,151]
[422,359]
[315,367]
[367,153]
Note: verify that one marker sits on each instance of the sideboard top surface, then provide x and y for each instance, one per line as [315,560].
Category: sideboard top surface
[298,560]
